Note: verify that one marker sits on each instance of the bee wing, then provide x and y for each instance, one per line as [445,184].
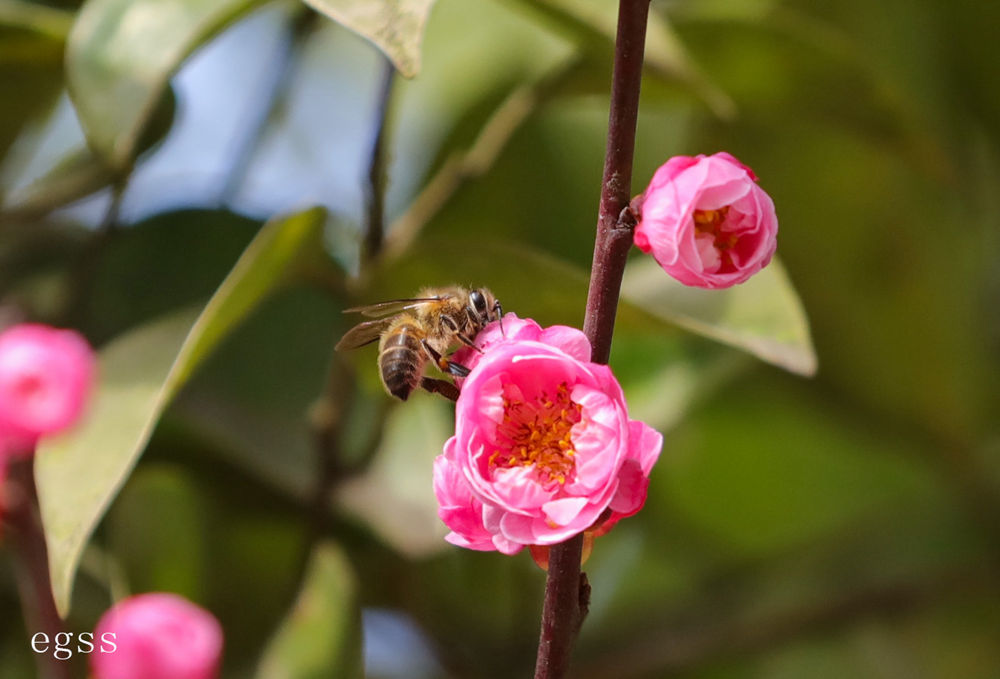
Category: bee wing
[391,307]
[363,333]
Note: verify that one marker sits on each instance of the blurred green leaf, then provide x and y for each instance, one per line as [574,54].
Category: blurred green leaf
[763,316]
[80,473]
[81,172]
[321,637]
[394,26]
[151,269]
[157,532]
[30,74]
[666,375]
[765,467]
[257,418]
[77,175]
[593,24]
[120,56]
[51,22]
[395,495]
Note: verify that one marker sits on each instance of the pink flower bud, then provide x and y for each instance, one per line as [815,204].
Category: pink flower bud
[543,446]
[45,376]
[156,636]
[706,221]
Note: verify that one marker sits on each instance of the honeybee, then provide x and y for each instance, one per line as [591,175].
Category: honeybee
[421,329]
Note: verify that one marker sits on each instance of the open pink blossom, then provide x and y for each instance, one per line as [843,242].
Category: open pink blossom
[45,376]
[156,636]
[543,446]
[706,221]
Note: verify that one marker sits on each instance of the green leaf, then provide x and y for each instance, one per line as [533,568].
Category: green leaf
[176,561]
[235,408]
[394,26]
[594,24]
[81,172]
[321,637]
[766,465]
[763,316]
[80,473]
[50,22]
[120,56]
[395,496]
[30,76]
[77,175]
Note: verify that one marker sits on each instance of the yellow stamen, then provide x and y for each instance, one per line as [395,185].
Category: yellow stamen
[539,434]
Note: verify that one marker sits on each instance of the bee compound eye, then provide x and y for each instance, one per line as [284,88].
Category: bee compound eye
[478,301]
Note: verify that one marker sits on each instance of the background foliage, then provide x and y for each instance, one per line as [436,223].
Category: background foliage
[843,526]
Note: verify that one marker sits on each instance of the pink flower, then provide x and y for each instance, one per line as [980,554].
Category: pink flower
[543,446]
[45,376]
[706,221]
[156,636]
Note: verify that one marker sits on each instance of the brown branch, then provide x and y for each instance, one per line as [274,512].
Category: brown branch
[31,563]
[327,419]
[377,166]
[566,590]
[614,238]
[87,266]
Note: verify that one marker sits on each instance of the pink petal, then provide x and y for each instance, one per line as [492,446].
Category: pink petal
[562,512]
[572,342]
[645,444]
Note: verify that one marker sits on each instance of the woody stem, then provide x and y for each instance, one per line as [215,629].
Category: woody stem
[31,565]
[566,589]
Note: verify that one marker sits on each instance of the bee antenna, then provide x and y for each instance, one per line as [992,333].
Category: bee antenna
[499,310]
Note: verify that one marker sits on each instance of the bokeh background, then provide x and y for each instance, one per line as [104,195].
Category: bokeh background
[841,525]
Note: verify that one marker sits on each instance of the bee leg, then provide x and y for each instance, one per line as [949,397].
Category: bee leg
[443,363]
[499,312]
[463,338]
[468,341]
[443,387]
[457,369]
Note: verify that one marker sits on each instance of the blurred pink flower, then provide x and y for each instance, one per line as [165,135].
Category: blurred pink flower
[157,636]
[706,221]
[45,377]
[543,447]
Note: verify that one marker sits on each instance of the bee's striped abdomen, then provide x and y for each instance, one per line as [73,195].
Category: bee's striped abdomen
[401,358]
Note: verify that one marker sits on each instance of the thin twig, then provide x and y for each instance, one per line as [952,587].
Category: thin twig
[329,411]
[565,589]
[86,268]
[377,168]
[463,166]
[31,562]
[327,419]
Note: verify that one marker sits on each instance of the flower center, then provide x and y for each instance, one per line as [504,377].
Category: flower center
[536,433]
[710,222]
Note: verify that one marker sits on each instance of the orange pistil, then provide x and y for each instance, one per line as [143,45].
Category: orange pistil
[709,222]
[538,434]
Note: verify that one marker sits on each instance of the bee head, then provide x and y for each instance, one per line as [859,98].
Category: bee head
[485,305]
[478,301]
